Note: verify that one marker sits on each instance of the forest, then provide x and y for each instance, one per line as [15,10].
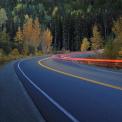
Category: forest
[44,26]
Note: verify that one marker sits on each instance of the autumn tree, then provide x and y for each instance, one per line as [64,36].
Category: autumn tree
[36,33]
[46,41]
[85,44]
[19,40]
[117,29]
[97,41]
[27,32]
[31,33]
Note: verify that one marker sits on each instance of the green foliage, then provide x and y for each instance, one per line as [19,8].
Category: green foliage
[5,42]
[108,51]
[2,53]
[3,17]
[113,48]
[68,21]
[4,37]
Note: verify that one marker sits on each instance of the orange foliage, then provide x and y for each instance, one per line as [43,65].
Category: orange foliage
[31,32]
[47,41]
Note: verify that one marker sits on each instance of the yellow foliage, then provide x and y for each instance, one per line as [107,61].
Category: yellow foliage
[120,53]
[117,29]
[39,53]
[31,33]
[47,41]
[97,42]
[19,36]
[15,52]
[27,31]
[85,44]
[36,33]
[55,11]
[114,49]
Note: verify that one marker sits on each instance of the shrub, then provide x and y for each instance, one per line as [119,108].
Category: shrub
[14,52]
[85,45]
[25,52]
[2,53]
[39,53]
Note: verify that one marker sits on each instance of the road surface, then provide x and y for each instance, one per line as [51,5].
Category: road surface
[15,103]
[71,92]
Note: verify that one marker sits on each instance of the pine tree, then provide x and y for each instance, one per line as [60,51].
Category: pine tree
[97,42]
[3,18]
[4,41]
[4,37]
[77,31]
[65,34]
[85,44]
[108,50]
[114,47]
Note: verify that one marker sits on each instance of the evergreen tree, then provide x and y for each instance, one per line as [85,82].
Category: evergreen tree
[3,19]
[69,21]
[65,34]
[5,41]
[113,48]
[77,31]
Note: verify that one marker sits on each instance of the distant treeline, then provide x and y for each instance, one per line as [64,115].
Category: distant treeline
[67,22]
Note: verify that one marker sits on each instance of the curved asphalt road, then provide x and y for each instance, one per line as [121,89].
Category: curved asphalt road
[89,94]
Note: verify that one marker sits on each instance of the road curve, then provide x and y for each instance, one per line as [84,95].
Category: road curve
[61,97]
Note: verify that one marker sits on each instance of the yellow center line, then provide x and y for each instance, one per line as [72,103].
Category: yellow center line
[79,77]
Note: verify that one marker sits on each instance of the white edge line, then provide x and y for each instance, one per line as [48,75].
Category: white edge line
[46,95]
